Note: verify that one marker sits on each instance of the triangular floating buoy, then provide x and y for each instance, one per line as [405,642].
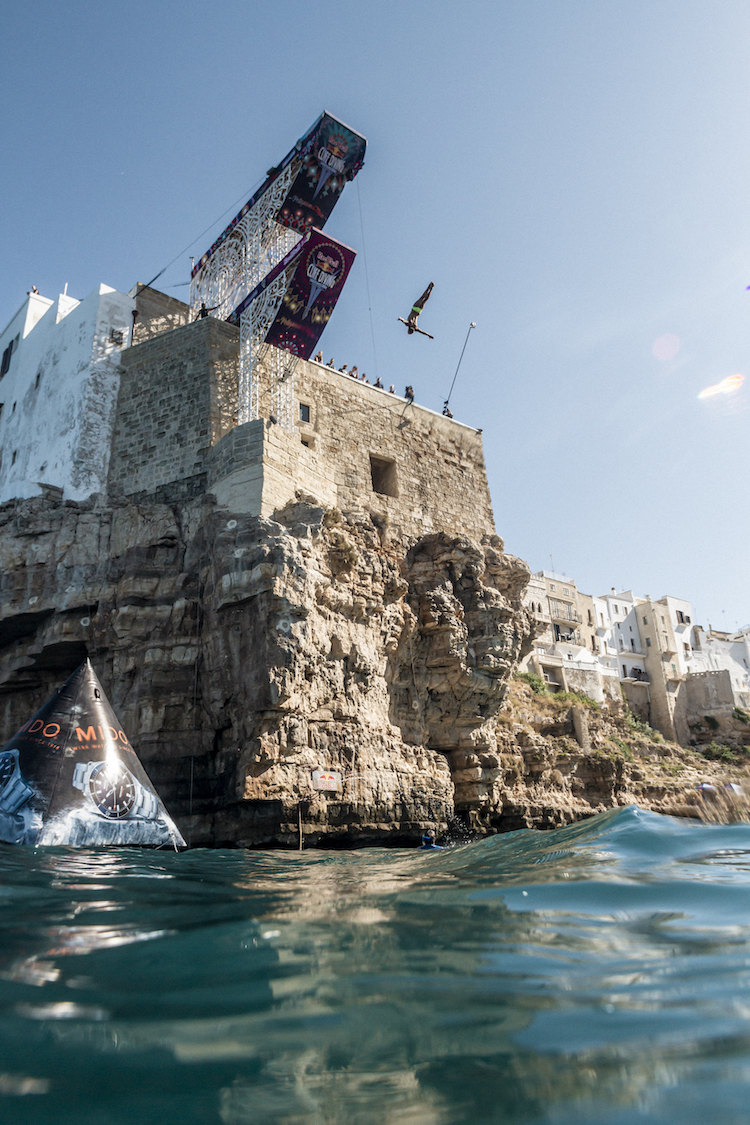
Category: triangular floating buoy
[70,777]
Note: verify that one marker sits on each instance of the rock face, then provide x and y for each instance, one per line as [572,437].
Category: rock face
[243,653]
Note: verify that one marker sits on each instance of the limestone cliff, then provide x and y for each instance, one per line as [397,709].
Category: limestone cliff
[242,653]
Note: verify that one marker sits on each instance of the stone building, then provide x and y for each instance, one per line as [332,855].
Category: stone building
[262,603]
[568,651]
[176,434]
[58,392]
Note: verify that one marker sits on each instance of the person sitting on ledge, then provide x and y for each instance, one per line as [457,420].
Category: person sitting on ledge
[409,394]
[391,390]
[378,384]
[354,372]
[342,369]
[318,357]
[447,412]
[331,363]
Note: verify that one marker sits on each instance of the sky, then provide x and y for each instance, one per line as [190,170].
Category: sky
[571,174]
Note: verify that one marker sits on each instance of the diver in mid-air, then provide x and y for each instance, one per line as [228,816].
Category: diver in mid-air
[417,307]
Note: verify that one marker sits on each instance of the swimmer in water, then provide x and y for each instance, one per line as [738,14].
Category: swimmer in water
[428,843]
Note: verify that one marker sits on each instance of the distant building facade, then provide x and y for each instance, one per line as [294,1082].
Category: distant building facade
[671,672]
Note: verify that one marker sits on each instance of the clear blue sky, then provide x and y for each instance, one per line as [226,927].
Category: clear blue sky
[572,174]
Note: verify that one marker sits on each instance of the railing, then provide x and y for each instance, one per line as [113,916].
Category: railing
[569,615]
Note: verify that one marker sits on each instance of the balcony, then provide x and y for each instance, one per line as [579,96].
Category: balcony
[564,613]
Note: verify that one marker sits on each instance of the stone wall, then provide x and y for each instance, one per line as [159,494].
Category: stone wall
[707,692]
[258,467]
[361,449]
[178,396]
[157,313]
[438,481]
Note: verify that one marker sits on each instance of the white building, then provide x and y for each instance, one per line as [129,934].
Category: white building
[714,651]
[59,378]
[570,650]
[623,636]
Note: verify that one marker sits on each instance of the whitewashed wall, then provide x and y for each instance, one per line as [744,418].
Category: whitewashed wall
[717,653]
[60,393]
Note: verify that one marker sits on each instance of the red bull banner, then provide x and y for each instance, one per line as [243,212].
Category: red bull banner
[69,776]
[316,270]
[334,154]
[323,160]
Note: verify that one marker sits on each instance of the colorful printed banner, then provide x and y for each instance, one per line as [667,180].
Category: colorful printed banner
[317,268]
[329,154]
[335,154]
[69,776]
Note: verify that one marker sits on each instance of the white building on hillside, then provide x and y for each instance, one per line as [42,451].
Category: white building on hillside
[714,651]
[59,378]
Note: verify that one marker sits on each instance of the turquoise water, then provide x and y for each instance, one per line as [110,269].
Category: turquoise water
[600,973]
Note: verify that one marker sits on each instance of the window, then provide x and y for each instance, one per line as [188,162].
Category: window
[552,586]
[645,621]
[648,642]
[383,475]
[624,671]
[591,620]
[307,443]
[13,459]
[304,412]
[566,590]
[116,336]
[632,644]
[680,617]
[616,609]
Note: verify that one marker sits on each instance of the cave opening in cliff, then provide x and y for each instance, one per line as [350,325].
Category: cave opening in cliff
[383,475]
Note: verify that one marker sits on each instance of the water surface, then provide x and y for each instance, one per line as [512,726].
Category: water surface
[599,973]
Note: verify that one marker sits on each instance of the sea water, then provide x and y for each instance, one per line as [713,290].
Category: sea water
[599,973]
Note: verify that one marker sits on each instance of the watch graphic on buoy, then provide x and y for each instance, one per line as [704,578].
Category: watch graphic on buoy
[114,792]
[14,789]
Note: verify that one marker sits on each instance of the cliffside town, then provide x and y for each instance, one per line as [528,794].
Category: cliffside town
[266,606]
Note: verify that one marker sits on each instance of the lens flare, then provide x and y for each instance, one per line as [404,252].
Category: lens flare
[666,347]
[727,386]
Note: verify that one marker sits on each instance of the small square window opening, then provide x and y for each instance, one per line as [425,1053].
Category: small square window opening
[384,479]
